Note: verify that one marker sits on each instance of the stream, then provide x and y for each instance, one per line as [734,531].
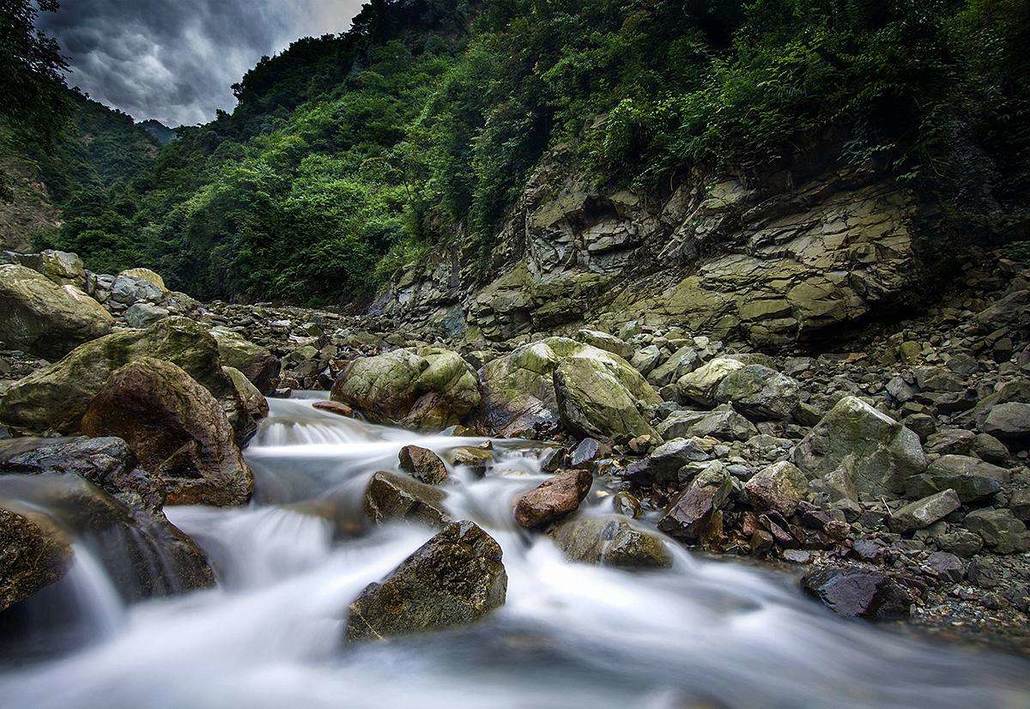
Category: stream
[702,633]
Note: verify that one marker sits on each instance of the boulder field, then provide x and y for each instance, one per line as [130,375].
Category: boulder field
[888,468]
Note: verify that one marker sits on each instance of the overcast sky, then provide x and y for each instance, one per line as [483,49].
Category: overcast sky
[175,60]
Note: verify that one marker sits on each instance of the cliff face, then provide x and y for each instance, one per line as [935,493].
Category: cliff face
[767,263]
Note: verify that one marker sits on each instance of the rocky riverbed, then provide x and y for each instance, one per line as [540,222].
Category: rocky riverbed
[884,466]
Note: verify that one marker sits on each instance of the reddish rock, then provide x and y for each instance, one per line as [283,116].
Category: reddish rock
[334,407]
[423,464]
[553,498]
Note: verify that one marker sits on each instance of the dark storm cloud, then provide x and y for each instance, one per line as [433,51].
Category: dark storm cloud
[175,60]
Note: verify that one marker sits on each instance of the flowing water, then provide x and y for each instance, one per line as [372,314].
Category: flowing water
[702,633]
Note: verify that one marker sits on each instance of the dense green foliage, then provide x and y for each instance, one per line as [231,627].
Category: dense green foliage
[348,155]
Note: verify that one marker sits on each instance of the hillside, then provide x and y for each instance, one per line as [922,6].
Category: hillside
[415,133]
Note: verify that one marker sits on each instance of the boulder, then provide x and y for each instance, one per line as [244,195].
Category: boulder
[45,319]
[176,429]
[454,579]
[666,460]
[423,464]
[519,397]
[127,290]
[141,315]
[999,529]
[592,402]
[858,593]
[923,513]
[253,402]
[723,424]
[880,453]
[689,514]
[36,554]
[589,450]
[611,540]
[553,498]
[147,276]
[971,478]
[606,342]
[61,267]
[683,361]
[759,392]
[428,388]
[1010,422]
[700,385]
[256,362]
[779,487]
[56,397]
[390,497]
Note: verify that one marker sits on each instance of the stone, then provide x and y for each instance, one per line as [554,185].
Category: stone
[604,341]
[127,290]
[954,441]
[1019,503]
[553,499]
[999,529]
[147,276]
[141,315]
[947,566]
[779,487]
[668,458]
[688,516]
[256,362]
[683,361]
[971,478]
[987,447]
[334,407]
[475,458]
[425,388]
[724,424]
[587,451]
[253,402]
[1009,422]
[423,464]
[176,429]
[960,542]
[45,319]
[627,504]
[858,593]
[610,540]
[646,359]
[55,398]
[36,554]
[454,579]
[922,513]
[389,497]
[592,402]
[700,385]
[760,393]
[881,453]
[61,267]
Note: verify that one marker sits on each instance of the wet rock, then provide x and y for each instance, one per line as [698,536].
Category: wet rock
[1010,422]
[45,319]
[456,578]
[971,478]
[668,458]
[36,554]
[428,388]
[251,400]
[760,392]
[176,429]
[881,454]
[999,529]
[779,487]
[334,407]
[477,459]
[256,362]
[689,515]
[925,512]
[611,540]
[56,397]
[389,496]
[858,593]
[553,499]
[423,464]
[626,504]
[588,451]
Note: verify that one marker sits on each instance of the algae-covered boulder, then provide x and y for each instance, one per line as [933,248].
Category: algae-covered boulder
[611,540]
[759,392]
[454,579]
[147,276]
[44,318]
[592,402]
[54,399]
[176,429]
[428,388]
[519,396]
[253,401]
[874,451]
[257,363]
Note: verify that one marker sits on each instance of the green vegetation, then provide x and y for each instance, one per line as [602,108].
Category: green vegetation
[350,154]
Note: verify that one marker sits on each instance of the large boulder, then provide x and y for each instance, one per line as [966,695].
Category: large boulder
[553,498]
[422,464]
[46,319]
[592,402]
[877,453]
[147,276]
[127,290]
[759,392]
[256,362]
[61,267]
[428,388]
[611,540]
[454,579]
[252,401]
[36,554]
[54,399]
[519,396]
[176,429]
[392,497]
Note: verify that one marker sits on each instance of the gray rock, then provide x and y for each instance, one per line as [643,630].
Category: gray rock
[779,487]
[141,315]
[389,497]
[923,513]
[610,541]
[760,392]
[999,529]
[1010,422]
[858,593]
[972,478]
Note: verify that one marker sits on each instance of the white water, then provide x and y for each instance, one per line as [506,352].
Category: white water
[569,635]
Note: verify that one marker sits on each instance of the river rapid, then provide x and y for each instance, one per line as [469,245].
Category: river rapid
[702,633]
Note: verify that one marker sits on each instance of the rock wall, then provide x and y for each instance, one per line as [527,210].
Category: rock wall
[770,263]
